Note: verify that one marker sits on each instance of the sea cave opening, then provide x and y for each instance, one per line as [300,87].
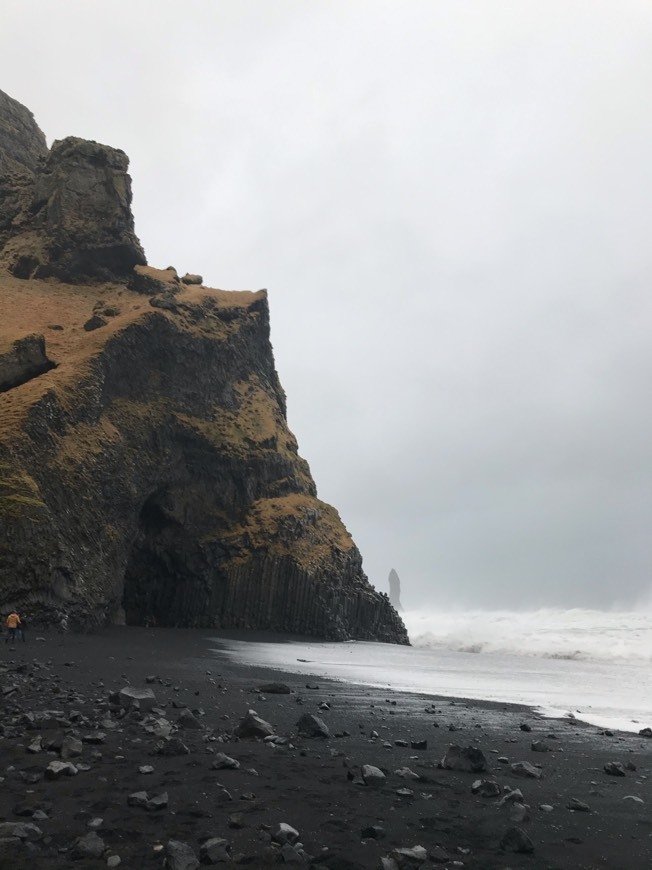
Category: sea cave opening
[164,582]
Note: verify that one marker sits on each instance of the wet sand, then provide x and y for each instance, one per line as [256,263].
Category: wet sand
[312,784]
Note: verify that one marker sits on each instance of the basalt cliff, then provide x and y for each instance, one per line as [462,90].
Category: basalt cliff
[146,465]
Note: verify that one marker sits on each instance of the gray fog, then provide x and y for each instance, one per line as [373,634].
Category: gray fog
[449,203]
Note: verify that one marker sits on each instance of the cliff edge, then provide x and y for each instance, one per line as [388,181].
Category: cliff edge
[146,465]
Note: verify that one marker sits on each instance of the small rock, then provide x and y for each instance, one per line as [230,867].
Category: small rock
[94,322]
[138,799]
[35,746]
[409,857]
[189,721]
[189,278]
[71,747]
[471,759]
[525,769]
[292,854]
[438,855]
[511,796]
[372,776]
[20,831]
[406,773]
[113,861]
[578,806]
[312,726]
[172,746]
[145,697]
[519,813]
[180,856]
[252,727]
[285,833]
[486,787]
[215,851]
[90,846]
[158,802]
[614,768]
[273,688]
[224,762]
[645,732]
[539,746]
[516,840]
[57,769]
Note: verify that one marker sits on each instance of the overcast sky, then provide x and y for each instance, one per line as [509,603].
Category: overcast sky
[449,202]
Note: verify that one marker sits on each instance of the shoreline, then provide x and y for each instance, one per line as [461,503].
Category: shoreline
[443,663]
[314,785]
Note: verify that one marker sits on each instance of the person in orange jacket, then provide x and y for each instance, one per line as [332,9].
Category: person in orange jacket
[12,623]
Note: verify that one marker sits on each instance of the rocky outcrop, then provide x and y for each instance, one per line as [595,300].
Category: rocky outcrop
[78,224]
[22,143]
[152,472]
[395,590]
[22,150]
[25,359]
[66,212]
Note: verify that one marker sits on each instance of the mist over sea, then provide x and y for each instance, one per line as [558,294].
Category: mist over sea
[589,664]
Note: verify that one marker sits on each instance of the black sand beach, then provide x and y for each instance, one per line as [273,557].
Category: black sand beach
[87,819]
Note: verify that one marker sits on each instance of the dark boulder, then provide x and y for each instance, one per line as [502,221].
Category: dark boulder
[71,217]
[24,360]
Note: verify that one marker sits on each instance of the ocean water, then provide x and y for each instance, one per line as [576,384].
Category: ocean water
[595,666]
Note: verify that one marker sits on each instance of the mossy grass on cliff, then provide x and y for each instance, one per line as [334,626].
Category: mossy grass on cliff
[19,496]
[296,524]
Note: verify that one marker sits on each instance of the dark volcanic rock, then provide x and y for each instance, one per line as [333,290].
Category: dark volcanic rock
[26,359]
[274,689]
[516,840]
[79,222]
[252,727]
[186,499]
[468,758]
[312,726]
[152,474]
[22,143]
[22,150]
[65,212]
[148,280]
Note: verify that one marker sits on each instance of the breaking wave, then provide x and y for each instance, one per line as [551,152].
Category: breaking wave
[577,634]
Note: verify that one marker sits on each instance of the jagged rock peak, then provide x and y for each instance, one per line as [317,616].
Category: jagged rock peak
[22,142]
[68,214]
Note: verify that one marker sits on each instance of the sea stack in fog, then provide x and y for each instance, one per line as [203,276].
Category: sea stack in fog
[395,590]
[146,465]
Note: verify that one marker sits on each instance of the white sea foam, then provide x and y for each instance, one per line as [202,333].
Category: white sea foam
[589,664]
[578,634]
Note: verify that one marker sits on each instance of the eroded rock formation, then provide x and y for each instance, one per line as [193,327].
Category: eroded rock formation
[152,472]
[395,590]
[24,360]
[22,143]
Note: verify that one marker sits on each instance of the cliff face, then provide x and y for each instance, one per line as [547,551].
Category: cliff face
[146,466]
